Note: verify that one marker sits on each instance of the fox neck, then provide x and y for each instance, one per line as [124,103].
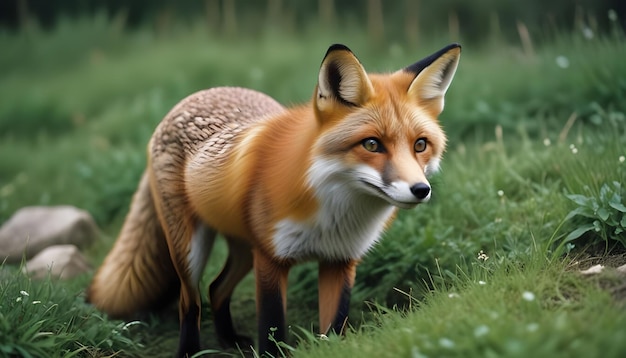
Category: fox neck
[346,225]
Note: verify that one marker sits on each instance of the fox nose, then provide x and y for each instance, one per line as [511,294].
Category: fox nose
[420,190]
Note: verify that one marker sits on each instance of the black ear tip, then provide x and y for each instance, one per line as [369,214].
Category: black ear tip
[453,46]
[337,47]
[450,47]
[418,66]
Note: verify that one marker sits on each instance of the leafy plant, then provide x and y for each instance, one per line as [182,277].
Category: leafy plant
[604,214]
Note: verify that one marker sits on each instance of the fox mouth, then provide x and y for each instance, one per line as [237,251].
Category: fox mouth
[382,194]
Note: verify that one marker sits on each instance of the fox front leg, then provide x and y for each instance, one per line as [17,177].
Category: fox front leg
[336,279]
[271,300]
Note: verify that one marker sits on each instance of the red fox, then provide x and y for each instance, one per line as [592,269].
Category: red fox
[319,182]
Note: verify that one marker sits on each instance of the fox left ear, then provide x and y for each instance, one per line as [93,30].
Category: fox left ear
[342,80]
[433,75]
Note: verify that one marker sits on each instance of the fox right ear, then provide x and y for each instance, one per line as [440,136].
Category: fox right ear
[433,75]
[342,80]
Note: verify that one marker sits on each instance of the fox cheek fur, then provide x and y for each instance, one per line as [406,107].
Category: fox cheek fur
[319,181]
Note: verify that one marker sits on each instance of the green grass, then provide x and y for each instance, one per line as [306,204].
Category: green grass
[79,105]
[50,319]
[538,308]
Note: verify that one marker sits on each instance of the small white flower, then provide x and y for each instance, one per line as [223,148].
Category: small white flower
[588,33]
[622,159]
[562,61]
[24,293]
[482,256]
[532,327]
[322,337]
[19,299]
[500,193]
[482,283]
[528,296]
[547,142]
[574,150]
[446,343]
[453,295]
[36,302]
[481,331]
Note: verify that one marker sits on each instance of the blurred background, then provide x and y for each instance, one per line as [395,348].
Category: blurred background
[383,20]
[537,109]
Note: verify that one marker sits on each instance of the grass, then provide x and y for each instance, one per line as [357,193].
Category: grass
[502,310]
[79,105]
[49,319]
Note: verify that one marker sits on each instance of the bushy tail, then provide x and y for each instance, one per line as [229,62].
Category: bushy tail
[137,274]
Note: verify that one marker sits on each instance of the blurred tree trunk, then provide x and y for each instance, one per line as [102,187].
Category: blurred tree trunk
[274,12]
[163,21]
[23,15]
[411,22]
[527,43]
[327,13]
[230,18]
[212,8]
[453,26]
[495,31]
[375,21]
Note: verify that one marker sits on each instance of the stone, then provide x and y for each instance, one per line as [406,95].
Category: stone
[593,270]
[32,229]
[60,261]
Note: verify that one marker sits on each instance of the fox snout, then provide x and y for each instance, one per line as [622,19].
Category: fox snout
[421,191]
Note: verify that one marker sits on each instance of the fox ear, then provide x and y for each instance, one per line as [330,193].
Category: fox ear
[433,75]
[342,79]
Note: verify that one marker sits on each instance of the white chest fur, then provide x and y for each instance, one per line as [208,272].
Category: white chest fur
[346,226]
[343,233]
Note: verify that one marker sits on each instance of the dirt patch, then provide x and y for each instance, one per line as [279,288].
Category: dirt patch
[612,274]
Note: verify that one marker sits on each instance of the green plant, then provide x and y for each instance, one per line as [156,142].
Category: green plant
[603,214]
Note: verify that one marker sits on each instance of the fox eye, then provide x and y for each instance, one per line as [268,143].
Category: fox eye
[372,145]
[420,145]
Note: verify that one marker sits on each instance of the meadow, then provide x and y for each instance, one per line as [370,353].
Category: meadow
[531,190]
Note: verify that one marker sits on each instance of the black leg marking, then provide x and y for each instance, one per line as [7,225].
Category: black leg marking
[342,310]
[225,330]
[271,322]
[189,342]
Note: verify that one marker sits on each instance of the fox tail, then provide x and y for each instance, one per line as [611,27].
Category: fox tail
[137,275]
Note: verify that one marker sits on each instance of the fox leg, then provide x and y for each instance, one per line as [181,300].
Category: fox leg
[189,245]
[238,264]
[271,300]
[335,287]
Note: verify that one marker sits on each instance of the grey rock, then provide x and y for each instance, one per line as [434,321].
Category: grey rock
[60,261]
[32,229]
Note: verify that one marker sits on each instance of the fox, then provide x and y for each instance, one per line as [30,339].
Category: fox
[319,181]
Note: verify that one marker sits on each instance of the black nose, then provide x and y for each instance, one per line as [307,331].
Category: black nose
[420,190]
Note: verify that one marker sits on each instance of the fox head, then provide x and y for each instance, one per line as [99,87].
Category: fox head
[379,132]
